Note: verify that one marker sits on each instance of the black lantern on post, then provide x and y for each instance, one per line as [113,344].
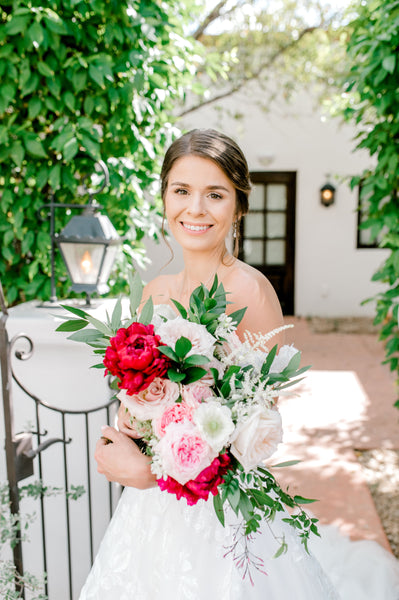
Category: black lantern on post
[327,194]
[88,245]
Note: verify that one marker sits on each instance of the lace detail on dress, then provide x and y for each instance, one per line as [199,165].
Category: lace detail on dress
[157,547]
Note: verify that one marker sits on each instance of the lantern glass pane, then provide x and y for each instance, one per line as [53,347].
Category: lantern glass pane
[110,255]
[83,261]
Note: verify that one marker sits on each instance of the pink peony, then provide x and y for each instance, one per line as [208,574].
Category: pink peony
[133,357]
[205,483]
[183,452]
[174,413]
[149,403]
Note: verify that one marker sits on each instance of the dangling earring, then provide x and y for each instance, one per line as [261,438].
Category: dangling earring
[236,235]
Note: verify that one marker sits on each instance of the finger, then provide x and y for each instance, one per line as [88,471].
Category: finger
[109,433]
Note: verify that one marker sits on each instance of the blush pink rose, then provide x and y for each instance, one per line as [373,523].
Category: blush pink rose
[149,403]
[175,413]
[195,393]
[205,483]
[183,452]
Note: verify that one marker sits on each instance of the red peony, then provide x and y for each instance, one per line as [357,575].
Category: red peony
[133,357]
[200,487]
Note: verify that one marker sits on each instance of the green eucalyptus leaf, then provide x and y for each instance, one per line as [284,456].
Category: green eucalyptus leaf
[72,325]
[147,312]
[218,506]
[76,311]
[86,336]
[117,315]
[136,292]
[180,308]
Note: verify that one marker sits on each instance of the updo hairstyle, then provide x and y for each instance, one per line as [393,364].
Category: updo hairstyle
[222,150]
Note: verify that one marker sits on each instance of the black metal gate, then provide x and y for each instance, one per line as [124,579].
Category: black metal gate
[57,449]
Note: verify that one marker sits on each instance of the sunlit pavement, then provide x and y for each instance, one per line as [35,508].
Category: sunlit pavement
[344,403]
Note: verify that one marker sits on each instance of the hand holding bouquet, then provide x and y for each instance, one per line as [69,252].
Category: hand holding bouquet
[203,402]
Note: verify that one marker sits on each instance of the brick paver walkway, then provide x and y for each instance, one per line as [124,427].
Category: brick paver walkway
[345,403]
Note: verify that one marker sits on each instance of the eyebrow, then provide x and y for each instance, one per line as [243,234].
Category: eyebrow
[208,187]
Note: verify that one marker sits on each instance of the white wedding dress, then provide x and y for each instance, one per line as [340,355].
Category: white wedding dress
[156,547]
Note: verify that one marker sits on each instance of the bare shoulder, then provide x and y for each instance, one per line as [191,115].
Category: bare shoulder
[247,283]
[249,288]
[160,289]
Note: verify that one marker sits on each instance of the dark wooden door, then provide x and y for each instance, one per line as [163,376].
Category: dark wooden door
[268,232]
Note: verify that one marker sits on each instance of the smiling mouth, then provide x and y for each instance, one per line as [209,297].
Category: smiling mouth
[195,227]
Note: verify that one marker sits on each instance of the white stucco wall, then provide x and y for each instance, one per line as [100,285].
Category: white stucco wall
[332,276]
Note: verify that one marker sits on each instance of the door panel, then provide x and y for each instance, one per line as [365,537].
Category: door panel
[268,232]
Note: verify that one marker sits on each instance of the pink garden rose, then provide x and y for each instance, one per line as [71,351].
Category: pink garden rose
[257,437]
[195,393]
[149,403]
[183,452]
[174,413]
[205,483]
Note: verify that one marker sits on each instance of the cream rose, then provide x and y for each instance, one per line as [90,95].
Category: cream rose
[149,403]
[257,437]
[282,359]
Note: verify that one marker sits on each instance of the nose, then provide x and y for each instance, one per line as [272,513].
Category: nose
[196,206]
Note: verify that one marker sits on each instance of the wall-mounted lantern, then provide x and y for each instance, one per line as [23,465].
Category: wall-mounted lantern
[327,194]
[88,244]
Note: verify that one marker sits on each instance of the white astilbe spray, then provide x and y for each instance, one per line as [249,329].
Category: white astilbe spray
[252,351]
[259,340]
[225,327]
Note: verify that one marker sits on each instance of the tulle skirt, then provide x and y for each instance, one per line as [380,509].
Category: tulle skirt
[156,547]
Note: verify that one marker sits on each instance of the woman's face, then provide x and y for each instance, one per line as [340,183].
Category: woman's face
[200,204]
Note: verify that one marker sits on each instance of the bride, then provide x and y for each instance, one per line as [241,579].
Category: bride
[156,546]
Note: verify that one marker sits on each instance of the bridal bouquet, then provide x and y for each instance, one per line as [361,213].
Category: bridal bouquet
[202,401]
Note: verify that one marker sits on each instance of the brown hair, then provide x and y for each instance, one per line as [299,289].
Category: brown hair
[222,150]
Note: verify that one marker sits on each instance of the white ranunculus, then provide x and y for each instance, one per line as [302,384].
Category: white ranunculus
[282,359]
[215,423]
[256,437]
[202,341]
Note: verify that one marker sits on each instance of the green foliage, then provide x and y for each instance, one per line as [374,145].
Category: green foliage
[374,106]
[256,496]
[13,528]
[83,77]
[299,45]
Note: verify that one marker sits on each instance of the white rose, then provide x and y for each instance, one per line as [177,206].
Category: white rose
[202,341]
[215,424]
[256,438]
[282,359]
[162,312]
